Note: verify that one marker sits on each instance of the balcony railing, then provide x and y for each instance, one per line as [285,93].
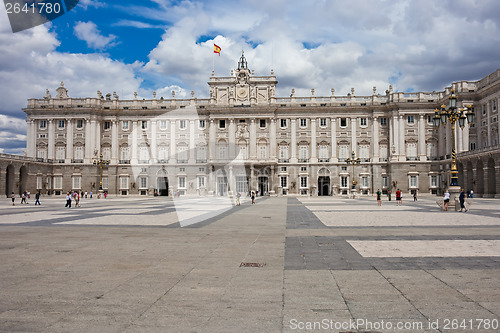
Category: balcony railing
[123,161]
[182,161]
[303,160]
[76,160]
[201,161]
[284,160]
[364,159]
[412,158]
[382,159]
[324,160]
[162,161]
[61,161]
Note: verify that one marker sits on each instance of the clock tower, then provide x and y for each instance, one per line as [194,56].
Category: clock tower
[242,88]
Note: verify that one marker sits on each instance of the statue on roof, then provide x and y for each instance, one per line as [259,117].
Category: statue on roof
[242,64]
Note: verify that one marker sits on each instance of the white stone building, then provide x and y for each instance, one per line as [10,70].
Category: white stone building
[245,138]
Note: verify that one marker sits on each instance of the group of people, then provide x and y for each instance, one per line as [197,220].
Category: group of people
[24,198]
[461,199]
[399,197]
[72,196]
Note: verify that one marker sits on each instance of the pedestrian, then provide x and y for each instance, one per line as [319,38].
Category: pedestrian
[85,194]
[253,197]
[90,194]
[13,197]
[461,198]
[68,200]
[37,198]
[379,197]
[446,200]
[29,195]
[467,193]
[472,194]
[389,194]
[415,195]
[238,196]
[105,195]
[23,197]
[399,198]
[77,199]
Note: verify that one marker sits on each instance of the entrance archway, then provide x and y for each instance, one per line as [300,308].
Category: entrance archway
[23,179]
[9,180]
[323,185]
[263,185]
[162,186]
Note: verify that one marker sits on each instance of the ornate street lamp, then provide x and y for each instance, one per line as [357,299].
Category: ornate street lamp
[353,160]
[100,163]
[453,114]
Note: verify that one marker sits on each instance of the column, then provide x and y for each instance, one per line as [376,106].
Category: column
[52,140]
[459,136]
[88,143]
[465,138]
[422,154]
[395,141]
[314,157]
[114,142]
[333,123]
[253,139]
[154,145]
[133,156]
[92,138]
[69,140]
[375,143]
[232,140]
[31,139]
[441,141]
[173,147]
[293,157]
[402,135]
[212,138]
[98,136]
[354,145]
[192,145]
[272,137]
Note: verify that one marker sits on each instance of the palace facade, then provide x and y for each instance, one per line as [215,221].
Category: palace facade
[245,138]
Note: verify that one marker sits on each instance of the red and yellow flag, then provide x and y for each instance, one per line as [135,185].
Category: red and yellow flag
[217,49]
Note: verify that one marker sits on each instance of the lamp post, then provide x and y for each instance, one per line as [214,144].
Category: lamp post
[100,163]
[353,160]
[452,115]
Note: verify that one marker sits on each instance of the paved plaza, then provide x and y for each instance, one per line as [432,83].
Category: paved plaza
[296,264]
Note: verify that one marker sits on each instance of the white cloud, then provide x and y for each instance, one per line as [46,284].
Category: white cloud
[91,3]
[88,32]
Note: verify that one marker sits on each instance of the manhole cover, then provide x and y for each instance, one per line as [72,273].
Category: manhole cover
[252,264]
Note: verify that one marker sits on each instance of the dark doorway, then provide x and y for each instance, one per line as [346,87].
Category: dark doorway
[23,179]
[324,185]
[9,180]
[163,186]
[263,185]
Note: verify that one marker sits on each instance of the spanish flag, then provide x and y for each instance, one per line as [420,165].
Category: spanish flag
[217,49]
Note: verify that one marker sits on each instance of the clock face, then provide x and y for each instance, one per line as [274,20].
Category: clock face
[242,93]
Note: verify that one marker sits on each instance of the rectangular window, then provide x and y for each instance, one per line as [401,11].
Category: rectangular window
[143,182]
[124,153]
[283,152]
[283,169]
[323,152]
[58,180]
[125,125]
[182,124]
[39,182]
[182,182]
[303,123]
[163,125]
[283,123]
[60,124]
[303,153]
[60,153]
[383,121]
[106,153]
[77,182]
[343,122]
[385,181]
[343,181]
[303,181]
[364,182]
[241,184]
[79,124]
[363,121]
[222,123]
[262,152]
[182,154]
[262,123]
[343,152]
[124,183]
[201,154]
[105,183]
[43,124]
[201,182]
[322,122]
[364,153]
[434,181]
[41,153]
[201,124]
[413,181]
[107,125]
[284,181]
[303,168]
[144,124]
[411,119]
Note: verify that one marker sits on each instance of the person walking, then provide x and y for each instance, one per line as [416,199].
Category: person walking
[389,194]
[68,200]
[253,197]
[446,200]
[398,197]
[85,194]
[90,194]
[23,198]
[472,194]
[238,196]
[379,197]
[77,199]
[461,198]
[13,197]
[37,198]
[415,195]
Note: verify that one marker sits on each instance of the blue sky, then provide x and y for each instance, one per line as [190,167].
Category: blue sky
[159,45]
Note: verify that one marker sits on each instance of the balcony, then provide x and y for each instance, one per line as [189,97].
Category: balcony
[284,160]
[123,161]
[323,160]
[77,160]
[383,159]
[303,160]
[364,159]
[162,161]
[143,161]
[201,161]
[182,161]
[61,161]
[412,158]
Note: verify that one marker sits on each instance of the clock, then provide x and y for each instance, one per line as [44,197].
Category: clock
[242,93]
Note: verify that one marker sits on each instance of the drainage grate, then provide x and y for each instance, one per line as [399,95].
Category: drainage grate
[252,264]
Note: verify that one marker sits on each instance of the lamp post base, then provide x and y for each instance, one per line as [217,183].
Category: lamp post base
[454,193]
